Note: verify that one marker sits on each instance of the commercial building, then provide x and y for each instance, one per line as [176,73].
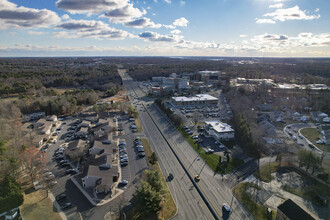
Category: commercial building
[290,211]
[219,130]
[200,99]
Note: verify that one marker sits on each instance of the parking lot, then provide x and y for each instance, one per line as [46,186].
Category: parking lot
[136,164]
[64,185]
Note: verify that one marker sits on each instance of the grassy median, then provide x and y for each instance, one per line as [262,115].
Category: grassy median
[169,208]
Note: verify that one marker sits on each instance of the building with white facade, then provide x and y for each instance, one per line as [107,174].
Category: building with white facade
[219,130]
[200,99]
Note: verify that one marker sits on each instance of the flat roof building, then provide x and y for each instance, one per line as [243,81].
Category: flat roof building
[219,130]
[201,99]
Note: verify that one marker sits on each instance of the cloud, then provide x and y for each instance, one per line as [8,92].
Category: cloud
[170,26]
[182,3]
[264,21]
[124,14]
[279,5]
[182,22]
[243,35]
[35,32]
[65,17]
[275,37]
[176,31]
[12,16]
[90,6]
[143,23]
[90,28]
[293,13]
[152,36]
[168,1]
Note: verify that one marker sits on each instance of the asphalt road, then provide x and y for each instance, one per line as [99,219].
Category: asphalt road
[189,202]
[215,188]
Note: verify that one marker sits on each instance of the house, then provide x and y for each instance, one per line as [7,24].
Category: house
[289,210]
[76,147]
[42,126]
[318,116]
[101,147]
[219,130]
[81,132]
[51,118]
[277,116]
[267,127]
[100,175]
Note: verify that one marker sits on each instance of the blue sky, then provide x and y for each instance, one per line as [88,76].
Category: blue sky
[276,28]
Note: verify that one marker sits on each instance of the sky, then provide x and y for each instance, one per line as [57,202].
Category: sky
[247,28]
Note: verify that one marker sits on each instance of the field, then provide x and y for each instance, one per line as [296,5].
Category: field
[313,135]
[36,205]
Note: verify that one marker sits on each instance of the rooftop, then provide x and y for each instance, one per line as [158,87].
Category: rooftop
[219,127]
[199,97]
[293,211]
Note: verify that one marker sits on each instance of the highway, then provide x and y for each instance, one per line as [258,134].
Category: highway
[215,188]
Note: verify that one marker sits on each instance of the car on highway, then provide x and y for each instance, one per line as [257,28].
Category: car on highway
[225,207]
[170,177]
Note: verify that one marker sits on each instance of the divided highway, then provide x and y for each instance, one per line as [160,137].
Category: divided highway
[214,188]
[190,204]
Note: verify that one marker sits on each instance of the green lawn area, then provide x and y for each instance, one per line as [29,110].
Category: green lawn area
[213,160]
[257,210]
[37,206]
[138,125]
[169,208]
[265,171]
[310,191]
[313,135]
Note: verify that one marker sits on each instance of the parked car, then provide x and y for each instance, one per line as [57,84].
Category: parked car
[141,154]
[123,183]
[65,164]
[66,206]
[61,197]
[69,171]
[209,150]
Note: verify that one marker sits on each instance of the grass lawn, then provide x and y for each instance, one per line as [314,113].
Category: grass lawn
[138,125]
[168,207]
[213,160]
[265,171]
[37,206]
[310,191]
[257,210]
[313,134]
